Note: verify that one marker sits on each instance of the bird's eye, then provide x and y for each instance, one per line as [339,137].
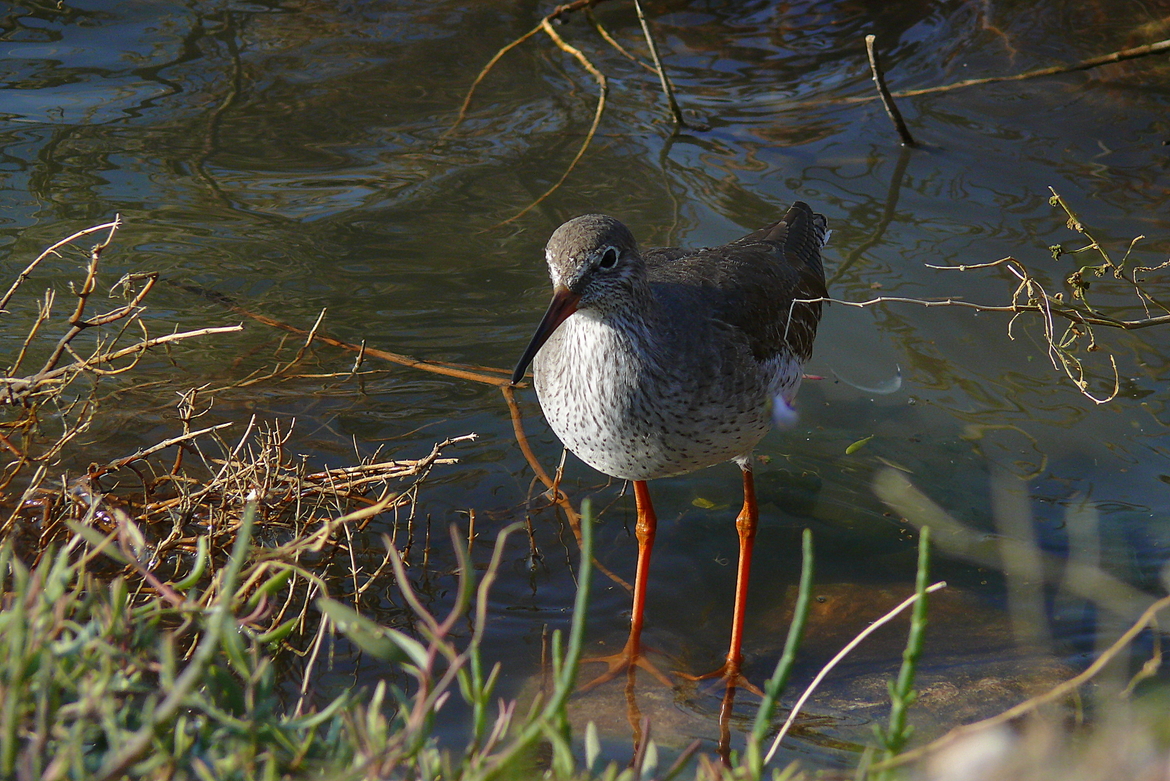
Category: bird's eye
[609,259]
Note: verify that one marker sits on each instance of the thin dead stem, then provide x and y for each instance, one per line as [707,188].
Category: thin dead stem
[1055,694]
[852,644]
[483,74]
[605,36]
[664,80]
[28,270]
[603,89]
[1030,297]
[1121,55]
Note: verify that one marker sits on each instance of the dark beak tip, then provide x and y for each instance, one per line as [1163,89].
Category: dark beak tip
[525,360]
[564,303]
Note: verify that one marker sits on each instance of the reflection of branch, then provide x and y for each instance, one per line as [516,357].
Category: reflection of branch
[483,74]
[888,211]
[603,85]
[230,34]
[613,41]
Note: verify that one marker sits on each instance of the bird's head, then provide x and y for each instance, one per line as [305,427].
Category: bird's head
[594,263]
[595,258]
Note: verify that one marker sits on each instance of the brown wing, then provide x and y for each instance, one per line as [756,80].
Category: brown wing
[751,284]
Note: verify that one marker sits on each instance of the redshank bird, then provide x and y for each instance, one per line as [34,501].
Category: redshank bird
[660,362]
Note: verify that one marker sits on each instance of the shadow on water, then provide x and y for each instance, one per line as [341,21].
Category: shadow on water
[297,158]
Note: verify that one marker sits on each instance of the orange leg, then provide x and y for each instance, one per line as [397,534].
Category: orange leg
[745,524]
[631,656]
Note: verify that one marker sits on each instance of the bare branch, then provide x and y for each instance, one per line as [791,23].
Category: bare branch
[483,74]
[147,451]
[1160,47]
[603,89]
[879,79]
[613,41]
[112,226]
[17,388]
[667,90]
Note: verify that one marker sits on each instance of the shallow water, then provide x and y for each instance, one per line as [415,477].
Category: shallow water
[300,156]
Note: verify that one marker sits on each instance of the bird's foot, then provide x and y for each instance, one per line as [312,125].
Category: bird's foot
[730,673]
[624,660]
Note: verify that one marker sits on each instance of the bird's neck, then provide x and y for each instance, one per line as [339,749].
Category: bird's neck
[631,320]
[633,302]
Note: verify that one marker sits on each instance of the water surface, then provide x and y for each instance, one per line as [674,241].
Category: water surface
[301,156]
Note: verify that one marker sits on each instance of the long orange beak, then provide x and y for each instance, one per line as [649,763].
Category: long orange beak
[563,304]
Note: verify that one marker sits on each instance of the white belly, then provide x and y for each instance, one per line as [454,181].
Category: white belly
[636,415]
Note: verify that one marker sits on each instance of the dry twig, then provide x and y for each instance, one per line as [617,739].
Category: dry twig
[879,79]
[667,90]
[1054,694]
[848,649]
[1122,55]
[603,89]
[1161,47]
[1030,297]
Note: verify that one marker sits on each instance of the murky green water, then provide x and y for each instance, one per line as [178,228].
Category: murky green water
[299,157]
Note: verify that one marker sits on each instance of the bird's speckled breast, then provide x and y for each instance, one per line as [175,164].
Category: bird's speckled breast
[638,409]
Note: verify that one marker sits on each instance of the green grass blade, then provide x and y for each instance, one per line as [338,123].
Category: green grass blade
[774,688]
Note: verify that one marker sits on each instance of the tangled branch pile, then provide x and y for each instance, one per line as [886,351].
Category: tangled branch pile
[166,515]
